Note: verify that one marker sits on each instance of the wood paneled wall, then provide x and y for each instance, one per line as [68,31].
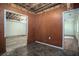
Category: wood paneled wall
[41,26]
[11,7]
[75,5]
[49,24]
[2,39]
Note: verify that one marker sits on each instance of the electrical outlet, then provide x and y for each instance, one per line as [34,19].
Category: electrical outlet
[49,37]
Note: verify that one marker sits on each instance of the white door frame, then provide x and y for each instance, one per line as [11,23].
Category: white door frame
[5,10]
[63,25]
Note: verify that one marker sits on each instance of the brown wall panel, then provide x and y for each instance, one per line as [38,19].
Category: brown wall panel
[50,24]
[41,26]
[76,5]
[11,7]
[2,39]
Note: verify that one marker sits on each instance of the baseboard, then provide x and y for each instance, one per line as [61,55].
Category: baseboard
[48,45]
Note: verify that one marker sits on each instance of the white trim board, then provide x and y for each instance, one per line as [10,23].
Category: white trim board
[63,30]
[48,44]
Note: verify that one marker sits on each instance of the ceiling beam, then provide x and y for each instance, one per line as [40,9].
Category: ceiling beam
[46,7]
[37,7]
[43,5]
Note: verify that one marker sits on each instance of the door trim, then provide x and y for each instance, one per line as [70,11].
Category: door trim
[6,10]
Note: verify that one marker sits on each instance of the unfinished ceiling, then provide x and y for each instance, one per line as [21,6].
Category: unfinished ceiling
[37,7]
[13,16]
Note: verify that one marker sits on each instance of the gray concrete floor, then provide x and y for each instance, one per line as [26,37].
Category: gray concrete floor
[17,46]
[36,49]
[15,42]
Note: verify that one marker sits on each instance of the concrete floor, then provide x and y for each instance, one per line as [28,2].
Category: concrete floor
[15,42]
[17,46]
[36,49]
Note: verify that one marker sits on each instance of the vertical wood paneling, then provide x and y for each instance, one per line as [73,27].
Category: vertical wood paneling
[40,27]
[76,5]
[2,39]
[49,24]
[31,19]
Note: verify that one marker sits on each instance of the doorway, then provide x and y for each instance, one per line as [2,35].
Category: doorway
[71,30]
[15,29]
